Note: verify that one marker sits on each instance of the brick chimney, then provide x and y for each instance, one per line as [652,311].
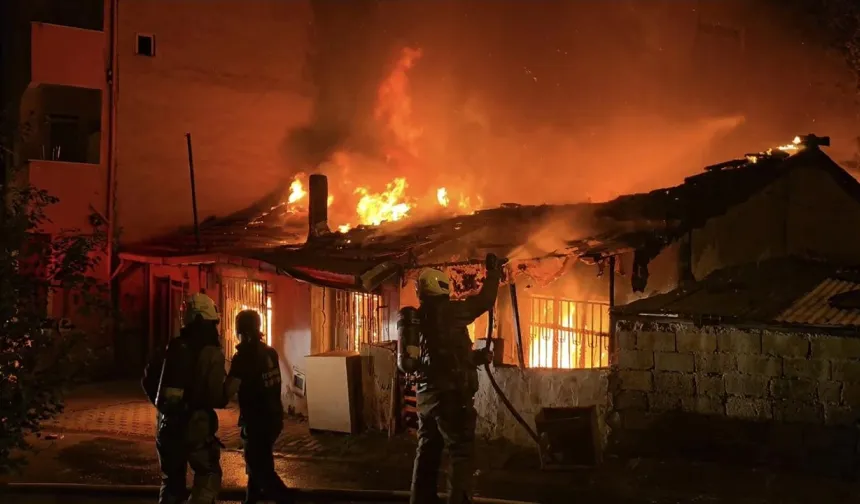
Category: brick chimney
[317,205]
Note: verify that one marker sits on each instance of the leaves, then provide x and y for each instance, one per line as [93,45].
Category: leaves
[37,361]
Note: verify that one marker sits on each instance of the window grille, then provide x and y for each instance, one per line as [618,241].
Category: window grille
[358,320]
[241,294]
[567,334]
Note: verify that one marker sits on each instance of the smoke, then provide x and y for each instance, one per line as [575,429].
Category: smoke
[565,110]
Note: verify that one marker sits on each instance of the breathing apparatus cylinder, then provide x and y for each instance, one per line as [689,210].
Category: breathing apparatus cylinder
[175,379]
[408,340]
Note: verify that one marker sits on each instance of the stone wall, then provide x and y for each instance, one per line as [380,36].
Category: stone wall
[760,393]
[531,390]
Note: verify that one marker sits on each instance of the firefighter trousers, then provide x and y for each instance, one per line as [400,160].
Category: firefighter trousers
[446,420]
[183,442]
[263,482]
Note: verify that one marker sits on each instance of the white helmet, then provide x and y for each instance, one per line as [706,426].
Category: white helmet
[433,282]
[200,304]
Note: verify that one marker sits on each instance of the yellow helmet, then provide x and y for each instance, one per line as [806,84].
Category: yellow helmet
[202,305]
[433,282]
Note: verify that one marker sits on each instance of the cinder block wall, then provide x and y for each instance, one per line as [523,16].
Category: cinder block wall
[760,393]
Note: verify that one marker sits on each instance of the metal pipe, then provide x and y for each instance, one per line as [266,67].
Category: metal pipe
[231,493]
[193,188]
[611,306]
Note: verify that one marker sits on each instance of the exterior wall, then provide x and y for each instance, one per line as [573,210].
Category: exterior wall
[748,232]
[805,214]
[291,324]
[235,82]
[749,394]
[819,215]
[532,390]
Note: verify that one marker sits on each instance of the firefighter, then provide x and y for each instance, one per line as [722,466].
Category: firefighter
[191,386]
[261,415]
[448,383]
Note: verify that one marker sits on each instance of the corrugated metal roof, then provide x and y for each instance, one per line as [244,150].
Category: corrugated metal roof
[814,308]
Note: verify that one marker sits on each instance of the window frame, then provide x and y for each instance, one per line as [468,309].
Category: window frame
[596,357]
[137,39]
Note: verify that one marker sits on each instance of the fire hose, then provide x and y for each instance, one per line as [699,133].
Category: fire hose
[532,434]
[499,392]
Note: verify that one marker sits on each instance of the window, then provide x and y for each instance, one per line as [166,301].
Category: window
[242,294]
[565,334]
[358,320]
[145,45]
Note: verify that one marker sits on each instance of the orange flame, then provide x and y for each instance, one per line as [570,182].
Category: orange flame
[387,206]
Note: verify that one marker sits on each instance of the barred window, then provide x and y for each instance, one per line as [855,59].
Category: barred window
[566,334]
[242,294]
[358,320]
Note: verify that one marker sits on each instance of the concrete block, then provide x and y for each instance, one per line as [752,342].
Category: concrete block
[636,380]
[739,342]
[630,399]
[709,385]
[626,340]
[696,341]
[658,403]
[784,344]
[829,347]
[748,408]
[851,395]
[656,340]
[715,363]
[840,415]
[759,365]
[846,371]
[637,420]
[830,392]
[677,384]
[635,359]
[746,385]
[798,412]
[673,361]
[704,405]
[793,389]
[815,369]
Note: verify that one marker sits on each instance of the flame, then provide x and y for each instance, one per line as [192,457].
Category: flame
[442,196]
[387,206]
[400,154]
[297,192]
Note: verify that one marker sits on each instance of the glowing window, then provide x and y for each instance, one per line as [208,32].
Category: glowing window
[565,334]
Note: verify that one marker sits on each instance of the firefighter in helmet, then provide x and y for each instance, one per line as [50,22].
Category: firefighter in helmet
[448,383]
[261,415]
[191,386]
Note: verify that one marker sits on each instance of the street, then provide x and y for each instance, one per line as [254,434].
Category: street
[105,436]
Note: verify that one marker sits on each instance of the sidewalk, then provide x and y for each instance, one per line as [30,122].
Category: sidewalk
[120,409]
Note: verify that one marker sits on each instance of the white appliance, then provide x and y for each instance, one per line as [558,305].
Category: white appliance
[332,385]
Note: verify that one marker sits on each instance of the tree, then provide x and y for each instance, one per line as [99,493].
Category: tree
[37,359]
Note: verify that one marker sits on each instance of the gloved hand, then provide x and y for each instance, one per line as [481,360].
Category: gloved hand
[493,262]
[482,357]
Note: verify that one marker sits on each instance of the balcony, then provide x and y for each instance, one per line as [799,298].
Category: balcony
[67,56]
[81,189]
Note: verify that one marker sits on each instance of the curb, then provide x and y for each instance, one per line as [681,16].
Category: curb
[233,493]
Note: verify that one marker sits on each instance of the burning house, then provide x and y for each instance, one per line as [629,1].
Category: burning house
[337,293]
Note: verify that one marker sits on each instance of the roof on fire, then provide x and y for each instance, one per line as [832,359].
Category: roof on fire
[639,221]
[779,292]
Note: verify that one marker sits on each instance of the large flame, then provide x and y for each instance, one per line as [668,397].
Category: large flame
[387,206]
[393,114]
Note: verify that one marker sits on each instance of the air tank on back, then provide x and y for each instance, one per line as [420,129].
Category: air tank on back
[408,340]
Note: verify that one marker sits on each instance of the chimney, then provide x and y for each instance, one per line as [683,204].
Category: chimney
[317,205]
